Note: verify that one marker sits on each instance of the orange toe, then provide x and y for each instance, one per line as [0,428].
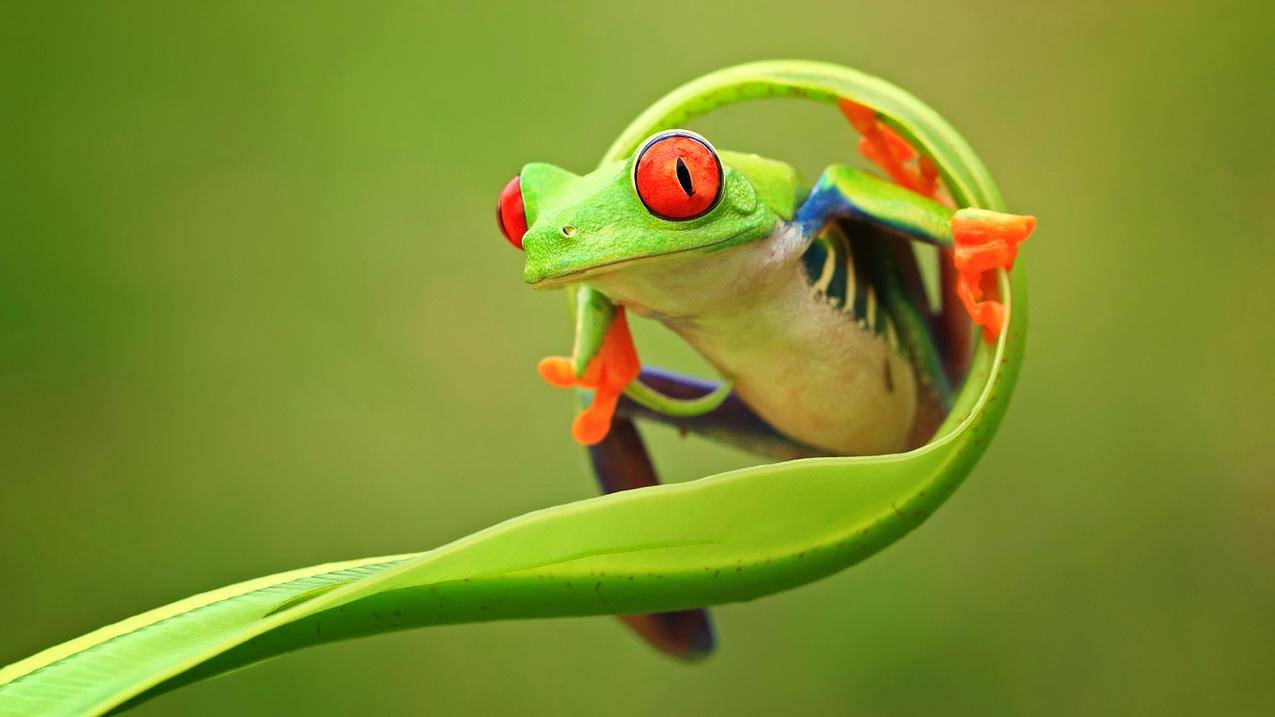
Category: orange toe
[556,371]
[594,423]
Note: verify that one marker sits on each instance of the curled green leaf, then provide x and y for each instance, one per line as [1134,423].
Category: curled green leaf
[734,536]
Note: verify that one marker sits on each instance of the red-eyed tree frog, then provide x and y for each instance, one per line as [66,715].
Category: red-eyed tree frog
[812,305]
[809,302]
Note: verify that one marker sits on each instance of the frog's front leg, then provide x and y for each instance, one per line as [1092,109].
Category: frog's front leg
[980,240]
[603,359]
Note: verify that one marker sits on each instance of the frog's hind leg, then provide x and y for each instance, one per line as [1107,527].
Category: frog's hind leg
[620,462]
[732,422]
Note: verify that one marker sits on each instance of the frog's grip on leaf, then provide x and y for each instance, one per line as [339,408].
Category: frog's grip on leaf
[984,241]
[610,371]
[884,147]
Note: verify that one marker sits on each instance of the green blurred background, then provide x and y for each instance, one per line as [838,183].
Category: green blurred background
[255,314]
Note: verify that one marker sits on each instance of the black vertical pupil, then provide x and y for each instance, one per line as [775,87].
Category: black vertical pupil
[684,178]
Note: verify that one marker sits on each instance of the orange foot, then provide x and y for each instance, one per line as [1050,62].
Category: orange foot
[984,241]
[615,366]
[891,153]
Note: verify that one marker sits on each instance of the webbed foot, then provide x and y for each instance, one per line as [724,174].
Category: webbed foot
[611,370]
[984,241]
[892,154]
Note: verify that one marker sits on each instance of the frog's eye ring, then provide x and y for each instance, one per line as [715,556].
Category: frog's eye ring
[678,176]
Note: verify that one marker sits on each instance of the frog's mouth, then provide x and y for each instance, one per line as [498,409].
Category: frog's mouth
[576,276]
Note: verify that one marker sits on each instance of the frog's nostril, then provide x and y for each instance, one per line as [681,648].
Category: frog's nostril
[510,213]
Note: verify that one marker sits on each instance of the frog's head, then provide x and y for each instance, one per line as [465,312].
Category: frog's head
[675,195]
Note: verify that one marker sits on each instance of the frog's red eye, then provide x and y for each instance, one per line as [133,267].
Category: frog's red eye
[510,214]
[678,176]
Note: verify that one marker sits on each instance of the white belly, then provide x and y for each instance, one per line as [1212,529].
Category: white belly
[813,373]
[804,366]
